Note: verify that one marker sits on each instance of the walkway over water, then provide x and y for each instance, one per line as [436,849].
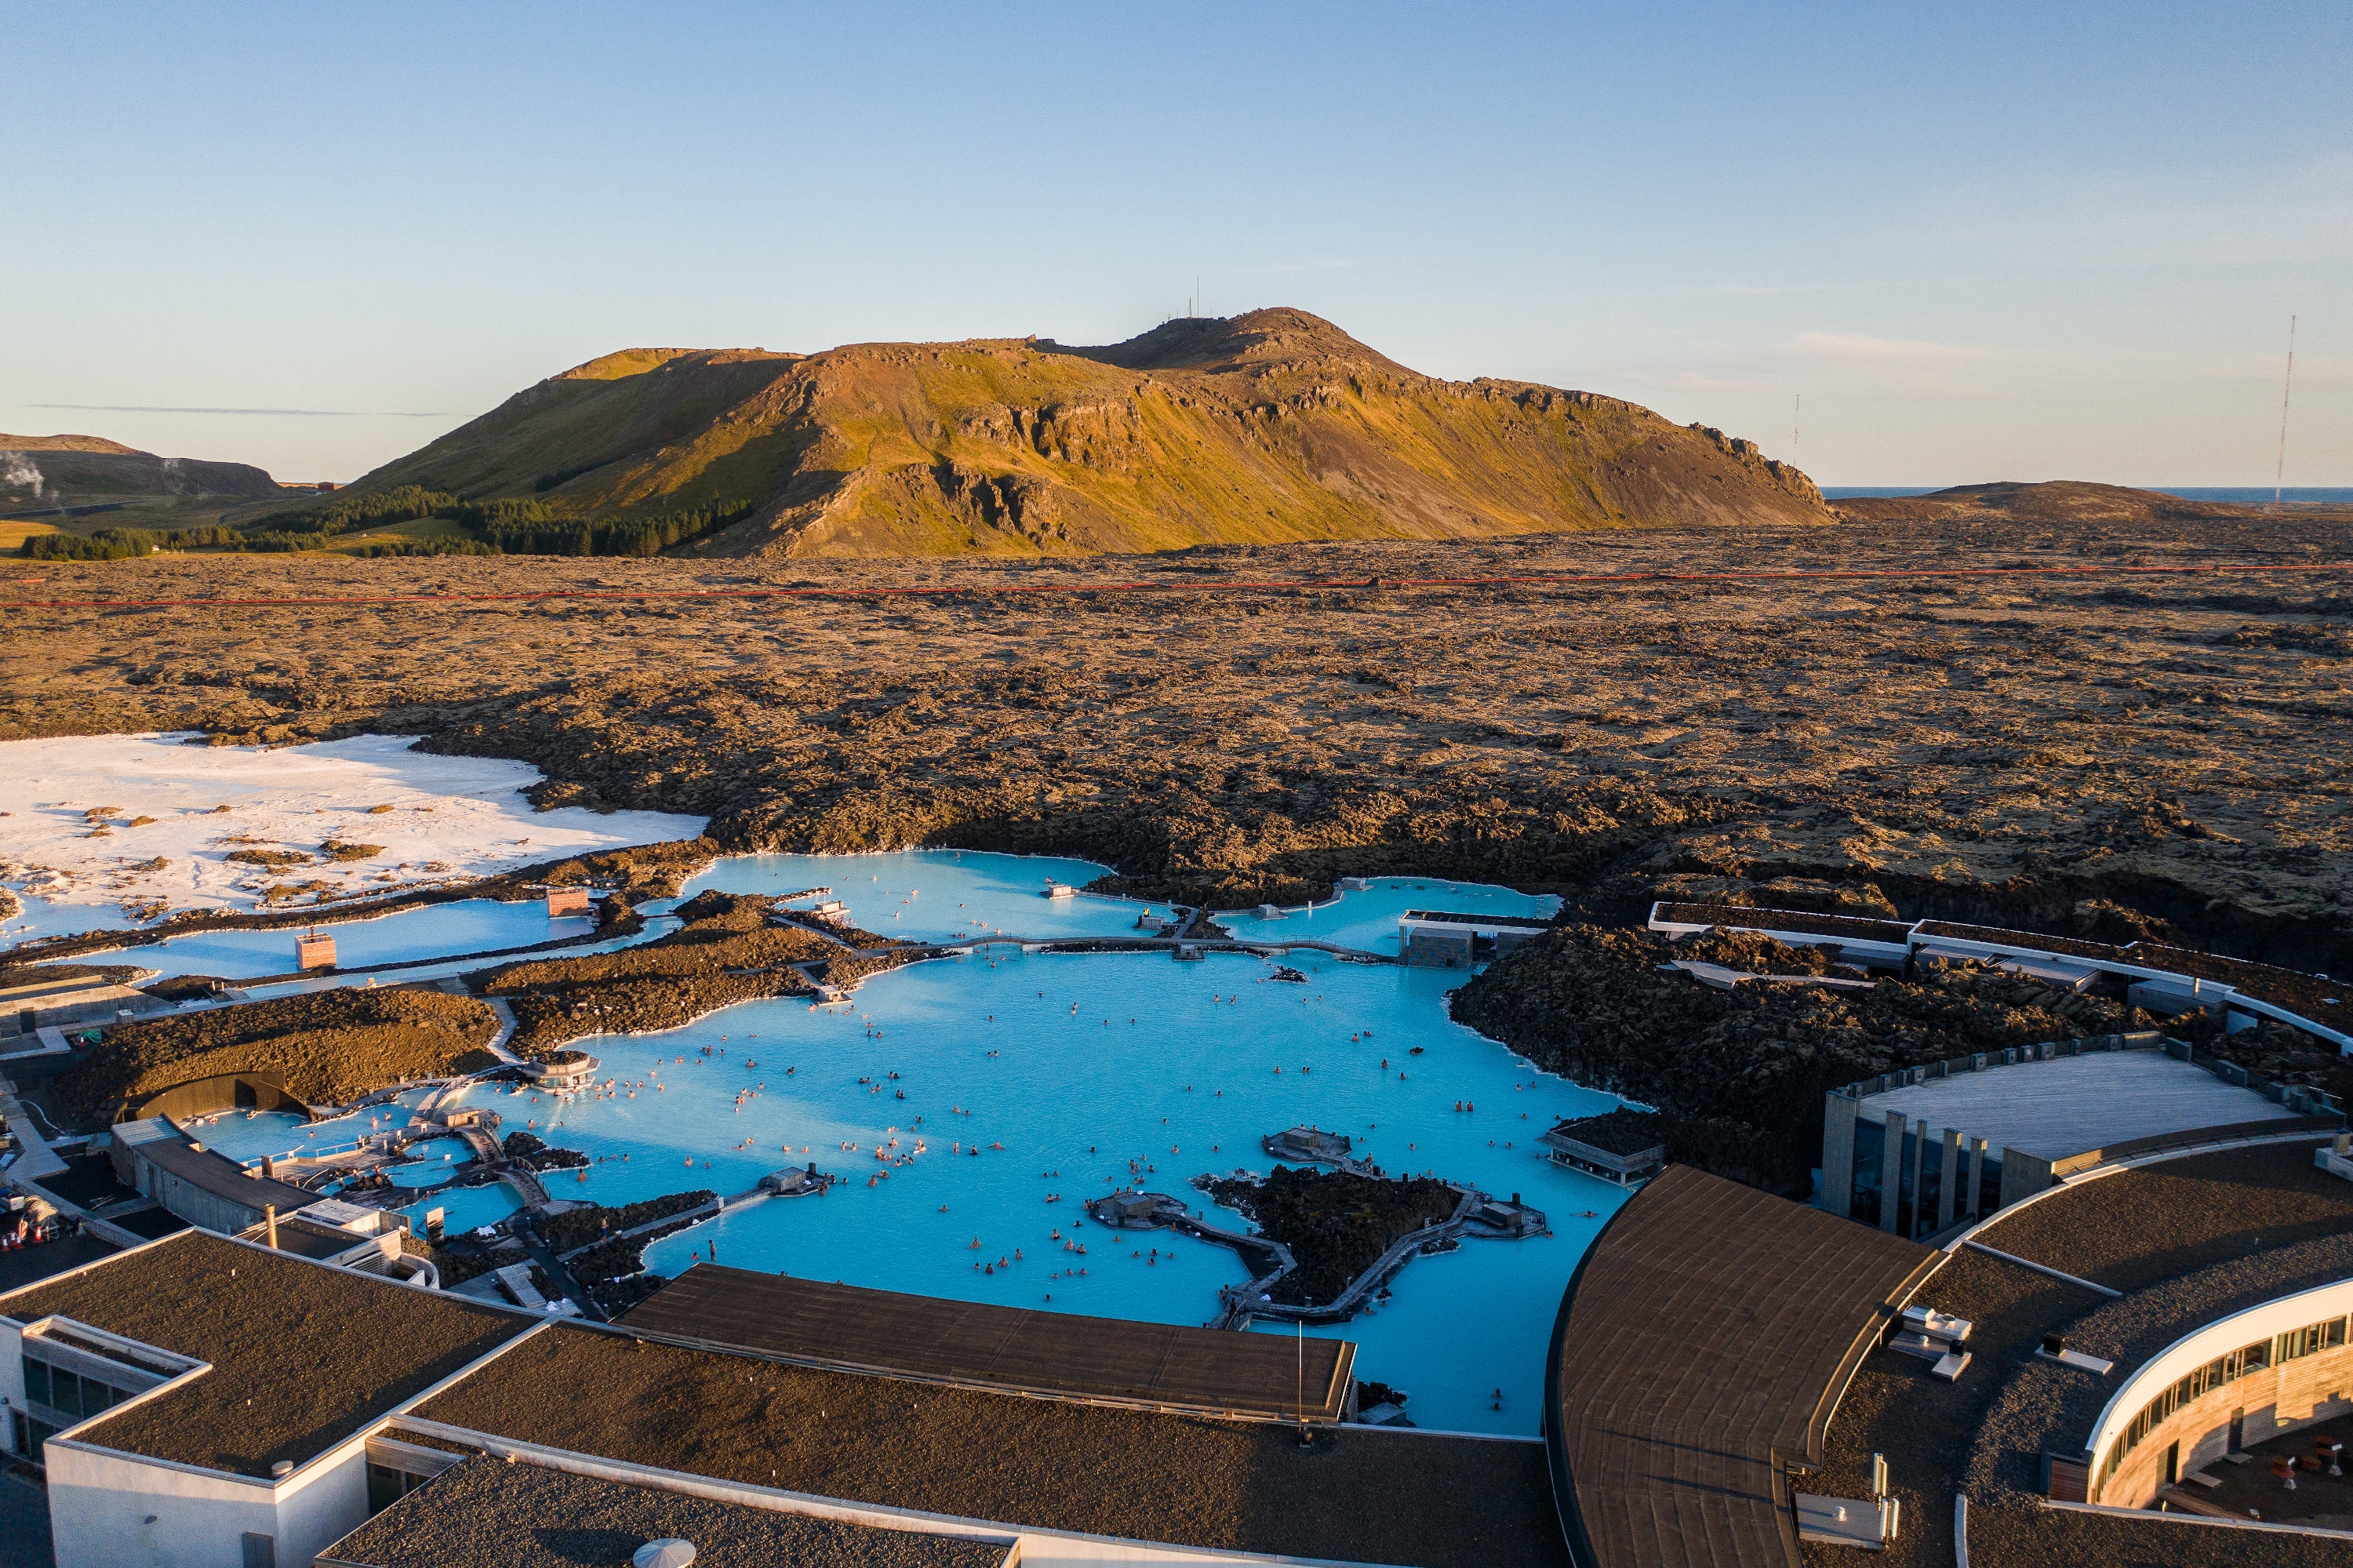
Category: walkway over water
[1005,1350]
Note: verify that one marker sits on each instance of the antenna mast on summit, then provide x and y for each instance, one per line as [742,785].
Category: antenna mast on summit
[2287,386]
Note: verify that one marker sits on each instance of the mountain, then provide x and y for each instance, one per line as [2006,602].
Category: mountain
[60,469]
[1274,425]
[2055,501]
[64,444]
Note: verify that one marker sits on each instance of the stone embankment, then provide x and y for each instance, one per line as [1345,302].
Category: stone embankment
[1328,1218]
[1739,1074]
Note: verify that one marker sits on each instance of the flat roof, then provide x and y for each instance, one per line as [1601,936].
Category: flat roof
[2128,1229]
[1742,917]
[482,1513]
[307,1238]
[1358,1493]
[1446,917]
[2256,1212]
[25,1266]
[210,1170]
[1056,1355]
[1708,1329]
[52,986]
[302,1354]
[2075,1104]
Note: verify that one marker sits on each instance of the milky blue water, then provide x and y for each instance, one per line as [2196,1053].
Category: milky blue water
[1368,920]
[1128,1069]
[1162,1071]
[435,1160]
[38,916]
[941,894]
[249,1135]
[465,1208]
[434,930]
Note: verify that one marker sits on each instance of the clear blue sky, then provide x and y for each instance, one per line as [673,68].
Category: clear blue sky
[1984,242]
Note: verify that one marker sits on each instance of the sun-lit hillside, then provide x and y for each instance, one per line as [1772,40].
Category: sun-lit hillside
[1270,427]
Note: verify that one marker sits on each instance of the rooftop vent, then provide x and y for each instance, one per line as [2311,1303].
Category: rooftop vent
[670,1553]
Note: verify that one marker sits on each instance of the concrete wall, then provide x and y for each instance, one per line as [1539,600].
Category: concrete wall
[1436,949]
[184,1103]
[112,1511]
[12,1376]
[2023,1176]
[1838,1153]
[194,1204]
[108,1509]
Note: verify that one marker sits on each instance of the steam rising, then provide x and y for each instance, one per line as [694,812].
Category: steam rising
[18,471]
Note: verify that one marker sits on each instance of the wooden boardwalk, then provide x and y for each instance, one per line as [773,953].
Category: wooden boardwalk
[1004,1349]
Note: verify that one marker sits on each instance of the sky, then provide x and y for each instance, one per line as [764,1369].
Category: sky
[1980,243]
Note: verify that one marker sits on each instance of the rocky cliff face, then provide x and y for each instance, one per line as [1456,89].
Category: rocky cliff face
[1271,428]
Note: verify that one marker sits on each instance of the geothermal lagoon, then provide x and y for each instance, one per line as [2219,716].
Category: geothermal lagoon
[985,1097]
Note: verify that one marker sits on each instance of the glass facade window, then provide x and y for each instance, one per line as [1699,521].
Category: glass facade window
[1869,1145]
[2307,1340]
[387,1486]
[1932,1186]
[69,1396]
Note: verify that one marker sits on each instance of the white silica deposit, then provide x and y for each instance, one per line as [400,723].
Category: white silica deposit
[105,832]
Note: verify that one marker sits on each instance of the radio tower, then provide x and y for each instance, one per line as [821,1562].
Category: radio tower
[2286,386]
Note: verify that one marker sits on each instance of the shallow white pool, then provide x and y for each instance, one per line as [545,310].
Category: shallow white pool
[1366,918]
[942,894]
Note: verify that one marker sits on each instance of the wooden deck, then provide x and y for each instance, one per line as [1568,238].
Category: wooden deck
[1701,1348]
[1005,1350]
[2076,1104]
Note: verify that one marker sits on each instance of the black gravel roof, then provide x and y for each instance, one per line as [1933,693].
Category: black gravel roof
[2044,1405]
[2135,1227]
[484,1513]
[2190,1240]
[302,1354]
[1419,1499]
[30,1264]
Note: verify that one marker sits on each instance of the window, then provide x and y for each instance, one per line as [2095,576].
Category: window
[74,1396]
[2309,1340]
[2254,1358]
[387,1486]
[1869,1144]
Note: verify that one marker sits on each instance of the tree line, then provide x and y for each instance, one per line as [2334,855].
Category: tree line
[502,527]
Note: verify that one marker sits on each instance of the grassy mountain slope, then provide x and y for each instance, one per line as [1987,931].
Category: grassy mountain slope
[1272,427]
[9,443]
[57,469]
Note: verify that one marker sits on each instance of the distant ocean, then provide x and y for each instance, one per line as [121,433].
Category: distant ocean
[2244,494]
